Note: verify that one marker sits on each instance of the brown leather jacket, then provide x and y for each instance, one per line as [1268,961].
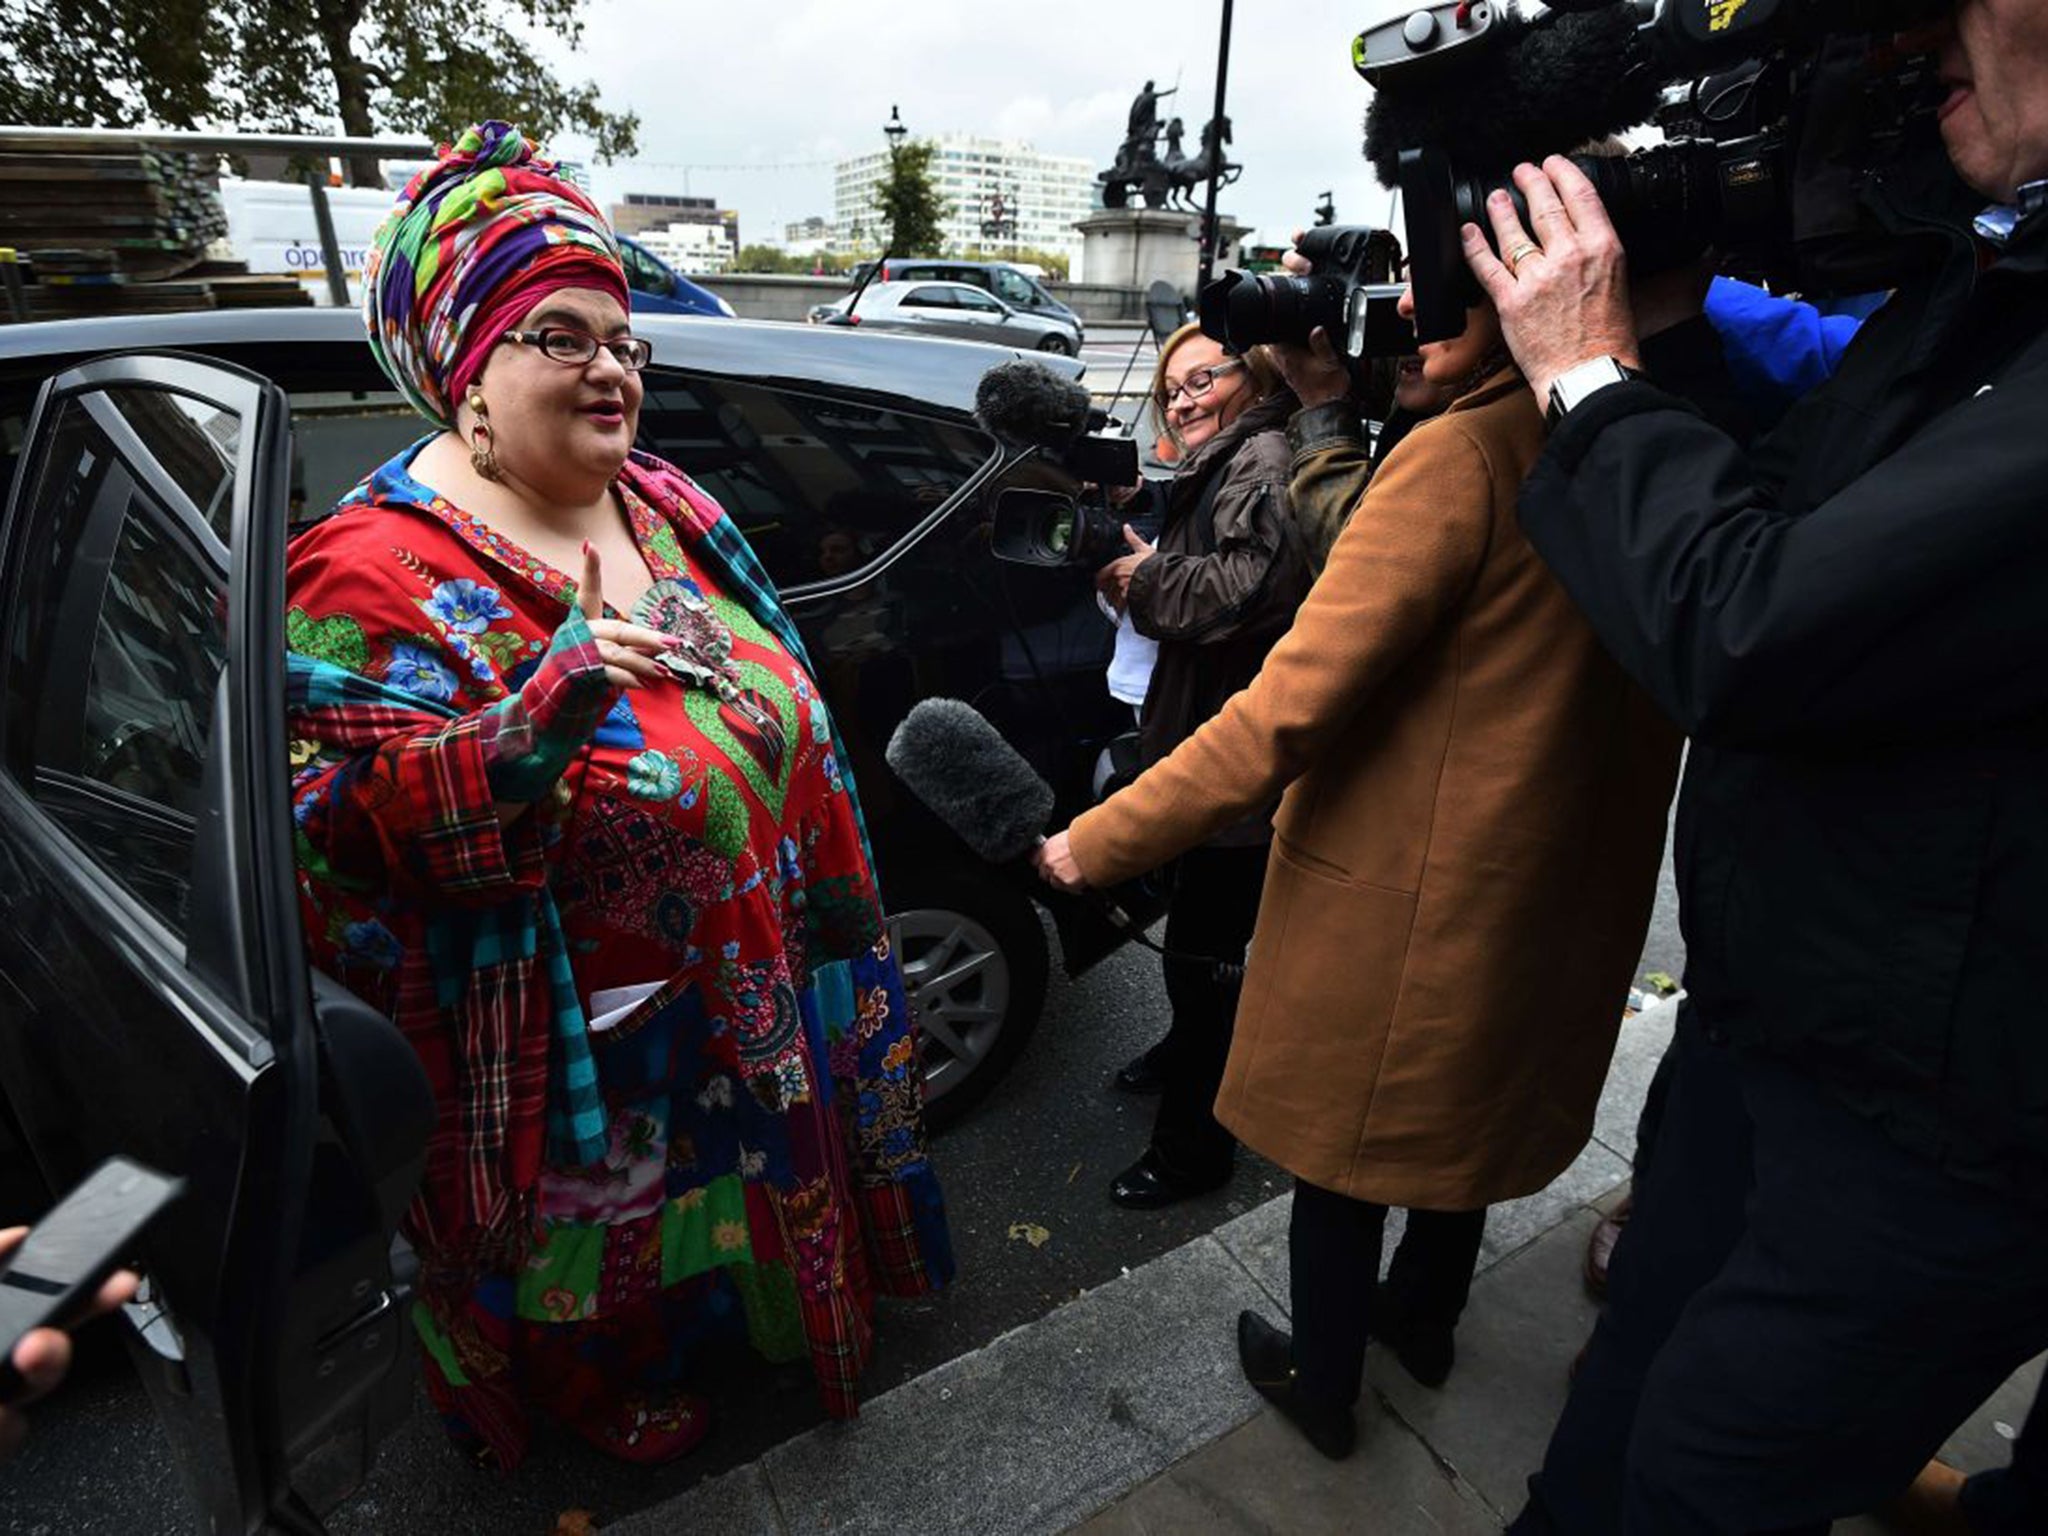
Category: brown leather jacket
[1220,588]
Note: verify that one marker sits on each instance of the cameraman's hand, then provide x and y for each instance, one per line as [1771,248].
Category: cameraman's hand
[1113,581]
[1316,372]
[1564,297]
[1055,864]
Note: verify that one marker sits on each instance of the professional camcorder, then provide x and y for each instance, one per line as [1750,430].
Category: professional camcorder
[1349,290]
[1026,406]
[1774,112]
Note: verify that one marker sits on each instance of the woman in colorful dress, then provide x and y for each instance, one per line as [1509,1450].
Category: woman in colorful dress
[571,810]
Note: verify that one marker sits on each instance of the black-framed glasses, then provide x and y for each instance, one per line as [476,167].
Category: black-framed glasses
[1200,382]
[564,344]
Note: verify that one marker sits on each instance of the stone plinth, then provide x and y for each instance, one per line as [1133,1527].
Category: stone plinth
[1135,247]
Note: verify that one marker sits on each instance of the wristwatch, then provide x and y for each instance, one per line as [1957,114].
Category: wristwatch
[1575,385]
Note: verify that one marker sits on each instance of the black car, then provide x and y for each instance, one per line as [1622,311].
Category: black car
[154,994]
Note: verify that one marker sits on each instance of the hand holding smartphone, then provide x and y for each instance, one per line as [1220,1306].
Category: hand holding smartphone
[62,1269]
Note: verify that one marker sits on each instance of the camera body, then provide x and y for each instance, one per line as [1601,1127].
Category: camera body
[1349,290]
[1772,111]
[1034,526]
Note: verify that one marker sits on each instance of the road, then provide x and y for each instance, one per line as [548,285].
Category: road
[1036,1155]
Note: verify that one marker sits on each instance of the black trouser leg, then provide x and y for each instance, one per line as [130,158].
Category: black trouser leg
[1214,907]
[1868,1302]
[1430,1278]
[1333,1261]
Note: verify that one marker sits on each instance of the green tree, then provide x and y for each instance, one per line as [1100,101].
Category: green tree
[908,204]
[300,66]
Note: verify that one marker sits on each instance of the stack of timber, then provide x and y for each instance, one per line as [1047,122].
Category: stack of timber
[108,231]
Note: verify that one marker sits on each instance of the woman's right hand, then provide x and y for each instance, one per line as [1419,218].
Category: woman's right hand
[629,650]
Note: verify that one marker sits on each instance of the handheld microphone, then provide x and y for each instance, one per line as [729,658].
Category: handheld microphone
[959,766]
[965,773]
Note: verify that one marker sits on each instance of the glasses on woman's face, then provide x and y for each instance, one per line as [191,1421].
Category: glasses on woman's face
[1200,382]
[574,348]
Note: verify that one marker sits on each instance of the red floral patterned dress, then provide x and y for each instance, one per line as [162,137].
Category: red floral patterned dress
[766,1166]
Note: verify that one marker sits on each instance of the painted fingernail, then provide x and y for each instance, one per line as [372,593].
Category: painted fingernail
[586,546]
[673,642]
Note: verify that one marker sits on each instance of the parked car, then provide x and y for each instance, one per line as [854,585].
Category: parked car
[659,289]
[1013,285]
[156,998]
[951,309]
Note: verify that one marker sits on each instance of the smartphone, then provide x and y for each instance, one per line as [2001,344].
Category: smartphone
[52,1277]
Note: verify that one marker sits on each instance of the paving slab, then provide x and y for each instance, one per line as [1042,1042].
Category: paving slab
[1028,1434]
[1637,1051]
[1527,1318]
[1262,1479]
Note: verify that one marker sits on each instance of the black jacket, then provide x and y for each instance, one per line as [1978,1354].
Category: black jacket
[1851,621]
[1229,570]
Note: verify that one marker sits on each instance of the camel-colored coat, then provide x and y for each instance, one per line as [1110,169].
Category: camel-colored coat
[1467,850]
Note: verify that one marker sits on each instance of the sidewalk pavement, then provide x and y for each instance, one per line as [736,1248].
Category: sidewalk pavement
[1123,1412]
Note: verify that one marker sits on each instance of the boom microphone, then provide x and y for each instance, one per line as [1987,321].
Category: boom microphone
[1538,88]
[975,782]
[1026,405]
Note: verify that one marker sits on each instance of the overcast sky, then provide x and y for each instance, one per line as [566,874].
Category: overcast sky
[802,83]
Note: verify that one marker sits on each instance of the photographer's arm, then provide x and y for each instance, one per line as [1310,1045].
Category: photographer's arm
[1398,571]
[1908,602]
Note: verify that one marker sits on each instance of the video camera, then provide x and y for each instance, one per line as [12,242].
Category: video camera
[1773,112]
[1026,406]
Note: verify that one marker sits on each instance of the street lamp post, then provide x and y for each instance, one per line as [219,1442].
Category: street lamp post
[1215,179]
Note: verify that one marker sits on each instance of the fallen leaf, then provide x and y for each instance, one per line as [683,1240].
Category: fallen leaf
[1661,983]
[575,1522]
[1031,1232]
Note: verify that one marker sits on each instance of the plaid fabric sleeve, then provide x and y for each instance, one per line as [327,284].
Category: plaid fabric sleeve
[412,807]
[530,737]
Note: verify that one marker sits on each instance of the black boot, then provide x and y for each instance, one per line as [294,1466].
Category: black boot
[1143,1075]
[1426,1350]
[1267,1358]
[1148,1184]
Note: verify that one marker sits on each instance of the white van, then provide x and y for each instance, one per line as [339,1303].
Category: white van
[271,227]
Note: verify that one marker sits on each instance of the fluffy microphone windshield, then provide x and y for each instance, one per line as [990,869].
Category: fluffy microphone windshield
[1027,405]
[958,764]
[1542,88]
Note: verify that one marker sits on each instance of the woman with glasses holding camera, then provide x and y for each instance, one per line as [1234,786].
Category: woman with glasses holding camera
[570,810]
[1462,870]
[1215,591]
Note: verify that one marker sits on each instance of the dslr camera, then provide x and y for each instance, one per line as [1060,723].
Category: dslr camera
[1350,290]
[1774,112]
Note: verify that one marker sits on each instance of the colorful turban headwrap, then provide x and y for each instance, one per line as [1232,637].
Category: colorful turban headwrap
[477,239]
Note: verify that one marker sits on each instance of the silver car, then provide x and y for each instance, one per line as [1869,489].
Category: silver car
[951,309]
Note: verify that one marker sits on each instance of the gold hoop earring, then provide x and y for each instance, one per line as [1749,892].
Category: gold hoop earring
[483,457]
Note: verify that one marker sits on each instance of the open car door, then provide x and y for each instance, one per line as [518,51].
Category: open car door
[156,999]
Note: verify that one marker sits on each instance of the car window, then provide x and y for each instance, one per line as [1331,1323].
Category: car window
[1014,287]
[974,298]
[338,438]
[935,296]
[119,634]
[819,485]
[644,274]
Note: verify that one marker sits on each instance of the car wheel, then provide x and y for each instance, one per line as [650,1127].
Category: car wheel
[1059,345]
[974,966]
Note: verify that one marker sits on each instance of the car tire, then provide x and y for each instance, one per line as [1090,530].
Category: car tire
[1059,346]
[975,965]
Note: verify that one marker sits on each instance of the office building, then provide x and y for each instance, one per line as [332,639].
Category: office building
[642,211]
[1005,196]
